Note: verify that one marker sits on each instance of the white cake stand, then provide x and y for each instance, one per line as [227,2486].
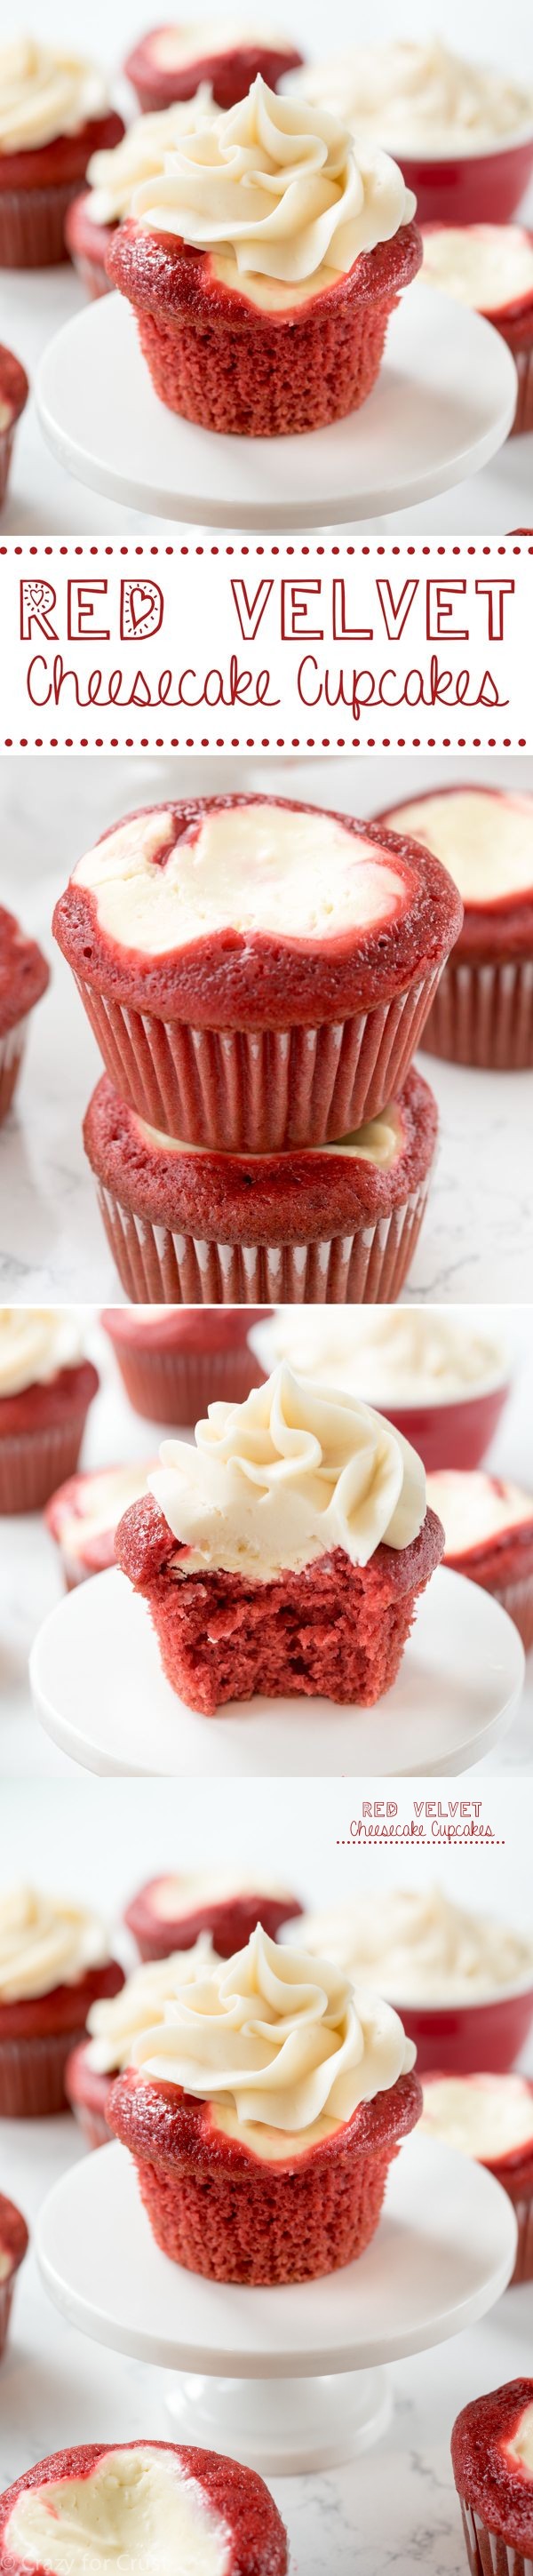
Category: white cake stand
[443,405]
[283,2379]
[100,1693]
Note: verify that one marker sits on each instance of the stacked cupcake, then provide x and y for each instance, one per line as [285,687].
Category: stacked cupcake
[258,974]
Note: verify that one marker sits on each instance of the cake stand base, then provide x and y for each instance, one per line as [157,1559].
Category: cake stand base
[283,2427]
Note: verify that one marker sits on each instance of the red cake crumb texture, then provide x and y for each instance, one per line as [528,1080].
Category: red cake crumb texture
[230,69]
[24,973]
[230,1919]
[14,390]
[496,2496]
[216,2208]
[258,2541]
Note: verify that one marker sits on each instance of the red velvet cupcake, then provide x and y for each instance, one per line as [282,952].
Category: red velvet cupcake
[263,2115]
[45,1392]
[256,1587]
[24,976]
[53,114]
[260,311]
[54,1961]
[169,2505]
[482,1013]
[339,1222]
[490,2117]
[490,268]
[170,1913]
[171,62]
[14,2242]
[82,1518]
[173,1364]
[113,2026]
[492,2458]
[488,1524]
[14,390]
[113,177]
[236,1004]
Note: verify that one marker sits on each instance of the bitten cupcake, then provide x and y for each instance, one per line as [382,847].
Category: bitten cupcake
[283,1553]
[441,1379]
[170,62]
[173,1363]
[115,2023]
[24,975]
[171,1913]
[141,2504]
[13,2246]
[488,1526]
[482,1013]
[54,1961]
[262,2115]
[338,1222]
[492,2459]
[54,112]
[14,390]
[490,2117]
[112,178]
[83,1515]
[490,268]
[263,267]
[46,1387]
[256,972]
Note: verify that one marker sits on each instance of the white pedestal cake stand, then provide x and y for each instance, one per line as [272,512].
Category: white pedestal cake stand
[100,1693]
[443,404]
[293,2378]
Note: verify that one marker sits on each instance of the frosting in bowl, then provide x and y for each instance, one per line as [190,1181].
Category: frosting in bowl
[475,1508]
[484,2116]
[519,2449]
[484,840]
[258,867]
[113,176]
[275,2044]
[487,266]
[420,100]
[418,1947]
[45,93]
[114,2023]
[45,1942]
[398,1355]
[285,1477]
[280,185]
[36,1342]
[135,2509]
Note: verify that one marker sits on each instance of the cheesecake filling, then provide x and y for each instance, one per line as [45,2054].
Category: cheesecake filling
[6,2263]
[280,184]
[487,266]
[475,1508]
[484,2116]
[173,47]
[136,2509]
[293,1472]
[519,2449]
[484,840]
[276,2042]
[416,1946]
[171,1897]
[100,1502]
[379,1142]
[262,867]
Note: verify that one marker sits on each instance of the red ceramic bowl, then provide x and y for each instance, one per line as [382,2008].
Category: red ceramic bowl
[450,1435]
[464,2039]
[473,188]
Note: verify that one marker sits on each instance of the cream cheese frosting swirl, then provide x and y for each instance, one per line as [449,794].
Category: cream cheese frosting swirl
[45,1942]
[275,2042]
[113,176]
[115,2022]
[35,1343]
[45,93]
[280,186]
[419,99]
[418,1946]
[290,1474]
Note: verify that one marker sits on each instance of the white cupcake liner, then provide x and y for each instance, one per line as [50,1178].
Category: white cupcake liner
[367,1267]
[483,1015]
[488,2554]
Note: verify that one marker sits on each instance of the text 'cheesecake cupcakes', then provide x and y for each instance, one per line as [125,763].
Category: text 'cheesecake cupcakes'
[257,973]
[54,1961]
[171,1912]
[490,268]
[262,2115]
[46,1387]
[488,1525]
[112,2026]
[83,1515]
[140,2505]
[482,1013]
[284,1552]
[492,2459]
[112,177]
[24,975]
[461,1980]
[490,2117]
[263,267]
[170,62]
[335,1222]
[441,1379]
[13,2247]
[173,1363]
[14,390]
[54,112]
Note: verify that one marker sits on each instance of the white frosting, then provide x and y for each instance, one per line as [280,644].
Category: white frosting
[100,1501]
[257,867]
[172,48]
[485,2116]
[281,185]
[418,1947]
[137,2509]
[116,2020]
[172,1897]
[405,1355]
[35,1343]
[286,1476]
[520,2448]
[45,1942]
[275,2045]
[377,1142]
[475,1508]
[420,100]
[484,840]
[113,175]
[45,93]
[488,266]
